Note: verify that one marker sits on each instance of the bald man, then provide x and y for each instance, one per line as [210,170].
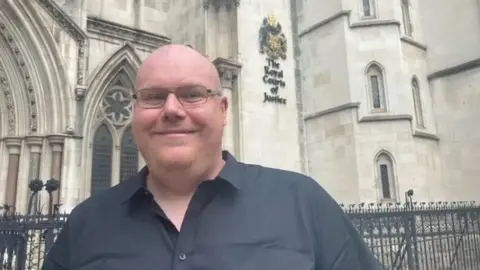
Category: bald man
[194,206]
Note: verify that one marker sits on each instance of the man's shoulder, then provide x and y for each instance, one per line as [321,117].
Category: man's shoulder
[286,178]
[99,204]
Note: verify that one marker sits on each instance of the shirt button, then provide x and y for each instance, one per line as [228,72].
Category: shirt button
[182,256]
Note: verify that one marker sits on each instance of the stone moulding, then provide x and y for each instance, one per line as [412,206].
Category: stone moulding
[125,33]
[216,3]
[5,87]
[80,37]
[27,78]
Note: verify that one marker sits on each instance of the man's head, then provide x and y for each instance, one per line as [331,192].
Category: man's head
[179,112]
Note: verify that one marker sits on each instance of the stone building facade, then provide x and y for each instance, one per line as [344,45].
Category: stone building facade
[369,97]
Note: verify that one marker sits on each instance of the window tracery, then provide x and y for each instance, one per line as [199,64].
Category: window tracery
[117,106]
[114,155]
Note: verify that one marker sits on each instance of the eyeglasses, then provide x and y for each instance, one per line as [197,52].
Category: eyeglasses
[188,96]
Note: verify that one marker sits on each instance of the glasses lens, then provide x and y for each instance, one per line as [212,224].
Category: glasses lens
[152,97]
[192,94]
[187,95]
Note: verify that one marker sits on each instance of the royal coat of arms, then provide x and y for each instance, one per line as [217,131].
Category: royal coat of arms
[272,40]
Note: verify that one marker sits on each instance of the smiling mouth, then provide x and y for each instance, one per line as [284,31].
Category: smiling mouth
[179,133]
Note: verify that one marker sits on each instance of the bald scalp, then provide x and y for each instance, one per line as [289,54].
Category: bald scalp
[177,57]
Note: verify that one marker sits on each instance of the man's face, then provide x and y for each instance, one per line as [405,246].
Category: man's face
[177,133]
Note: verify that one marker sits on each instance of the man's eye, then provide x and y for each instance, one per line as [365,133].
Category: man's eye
[194,94]
[154,96]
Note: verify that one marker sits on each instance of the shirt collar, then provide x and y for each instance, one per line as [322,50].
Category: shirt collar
[233,172]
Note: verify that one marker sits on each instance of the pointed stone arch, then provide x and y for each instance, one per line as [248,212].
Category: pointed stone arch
[12,88]
[376,85]
[386,176]
[108,103]
[121,65]
[74,30]
[9,115]
[4,117]
[417,102]
[40,67]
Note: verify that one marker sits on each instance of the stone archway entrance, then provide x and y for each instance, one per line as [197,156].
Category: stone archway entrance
[27,93]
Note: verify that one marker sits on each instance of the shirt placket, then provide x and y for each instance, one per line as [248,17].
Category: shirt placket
[185,242]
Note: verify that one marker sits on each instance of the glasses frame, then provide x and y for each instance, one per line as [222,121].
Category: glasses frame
[210,93]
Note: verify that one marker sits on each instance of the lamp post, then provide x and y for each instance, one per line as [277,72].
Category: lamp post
[50,186]
[35,186]
[408,198]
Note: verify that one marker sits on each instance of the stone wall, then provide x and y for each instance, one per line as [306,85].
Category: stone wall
[344,133]
[444,32]
[456,98]
[186,23]
[152,16]
[331,153]
[269,131]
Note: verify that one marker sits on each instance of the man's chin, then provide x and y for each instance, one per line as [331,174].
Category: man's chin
[176,157]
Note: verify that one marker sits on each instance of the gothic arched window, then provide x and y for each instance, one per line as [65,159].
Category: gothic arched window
[376,87]
[368,8]
[102,159]
[407,20]
[417,103]
[114,155]
[385,176]
[128,156]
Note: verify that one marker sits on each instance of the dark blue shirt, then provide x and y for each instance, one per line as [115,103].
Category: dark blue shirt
[248,218]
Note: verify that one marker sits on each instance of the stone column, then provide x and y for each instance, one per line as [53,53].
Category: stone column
[223,30]
[14,146]
[56,144]
[229,71]
[221,35]
[211,27]
[35,144]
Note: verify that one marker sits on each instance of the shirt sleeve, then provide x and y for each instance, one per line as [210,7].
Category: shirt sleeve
[58,257]
[355,254]
[338,245]
[49,264]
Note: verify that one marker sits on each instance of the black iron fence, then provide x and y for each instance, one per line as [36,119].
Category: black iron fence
[421,236]
[413,236]
[25,239]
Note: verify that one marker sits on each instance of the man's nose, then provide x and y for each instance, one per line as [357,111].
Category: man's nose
[173,109]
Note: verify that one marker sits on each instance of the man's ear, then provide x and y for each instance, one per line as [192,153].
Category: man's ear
[224,107]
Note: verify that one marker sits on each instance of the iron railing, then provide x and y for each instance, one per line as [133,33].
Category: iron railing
[413,236]
[421,236]
[25,238]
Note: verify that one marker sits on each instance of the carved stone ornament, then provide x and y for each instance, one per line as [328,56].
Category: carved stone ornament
[5,88]
[117,106]
[272,40]
[80,92]
[27,79]
[228,71]
[69,131]
[67,24]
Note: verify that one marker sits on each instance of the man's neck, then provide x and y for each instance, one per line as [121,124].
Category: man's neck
[180,184]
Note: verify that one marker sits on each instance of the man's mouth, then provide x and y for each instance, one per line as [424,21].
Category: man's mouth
[175,132]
